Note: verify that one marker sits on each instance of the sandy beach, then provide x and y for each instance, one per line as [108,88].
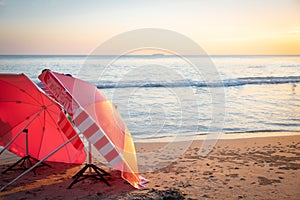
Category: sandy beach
[175,100]
[254,168]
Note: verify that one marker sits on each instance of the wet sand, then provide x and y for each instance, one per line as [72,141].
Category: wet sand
[254,168]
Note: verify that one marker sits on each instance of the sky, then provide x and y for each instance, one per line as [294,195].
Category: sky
[220,27]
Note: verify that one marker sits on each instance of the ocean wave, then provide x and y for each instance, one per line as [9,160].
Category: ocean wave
[224,83]
[263,131]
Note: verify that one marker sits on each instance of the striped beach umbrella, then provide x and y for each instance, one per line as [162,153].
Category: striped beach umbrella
[98,120]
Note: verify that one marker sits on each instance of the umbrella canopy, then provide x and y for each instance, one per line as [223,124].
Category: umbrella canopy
[25,106]
[98,120]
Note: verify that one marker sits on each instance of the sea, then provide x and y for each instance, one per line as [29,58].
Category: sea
[167,97]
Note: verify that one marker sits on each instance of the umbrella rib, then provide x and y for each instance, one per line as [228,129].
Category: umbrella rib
[21,102]
[55,122]
[40,145]
[42,139]
[24,91]
[12,140]
[18,125]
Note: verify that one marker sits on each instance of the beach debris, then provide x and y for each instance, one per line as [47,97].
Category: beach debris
[154,194]
[205,196]
[265,181]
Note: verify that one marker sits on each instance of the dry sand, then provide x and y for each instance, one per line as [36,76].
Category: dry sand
[255,168]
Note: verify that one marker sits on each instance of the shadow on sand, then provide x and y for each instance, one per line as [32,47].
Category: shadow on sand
[52,183]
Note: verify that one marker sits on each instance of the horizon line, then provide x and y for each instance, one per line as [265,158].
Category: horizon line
[153,55]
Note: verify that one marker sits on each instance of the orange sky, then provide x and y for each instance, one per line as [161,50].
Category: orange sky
[219,27]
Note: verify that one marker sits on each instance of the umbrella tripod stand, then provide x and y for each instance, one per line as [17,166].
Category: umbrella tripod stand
[98,173]
[26,161]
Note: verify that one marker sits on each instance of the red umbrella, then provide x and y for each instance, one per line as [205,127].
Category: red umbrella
[98,120]
[25,106]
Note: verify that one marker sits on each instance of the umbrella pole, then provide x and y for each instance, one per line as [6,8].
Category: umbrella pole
[39,162]
[90,157]
[26,141]
[98,175]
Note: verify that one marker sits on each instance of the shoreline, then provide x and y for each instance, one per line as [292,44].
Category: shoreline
[251,168]
[221,136]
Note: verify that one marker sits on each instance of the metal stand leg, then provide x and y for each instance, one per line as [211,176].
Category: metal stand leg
[26,160]
[25,164]
[98,172]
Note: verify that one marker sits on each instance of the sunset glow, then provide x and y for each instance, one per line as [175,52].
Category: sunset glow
[220,27]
